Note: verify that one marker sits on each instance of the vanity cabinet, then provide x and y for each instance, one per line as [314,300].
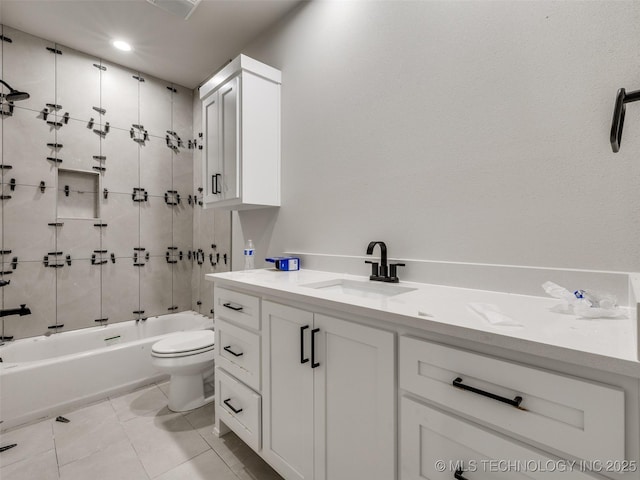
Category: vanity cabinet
[494,405]
[241,126]
[238,365]
[328,390]
[328,396]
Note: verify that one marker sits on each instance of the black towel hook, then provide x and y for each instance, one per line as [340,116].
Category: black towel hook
[618,116]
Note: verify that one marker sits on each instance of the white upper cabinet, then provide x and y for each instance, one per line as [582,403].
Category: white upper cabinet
[241,126]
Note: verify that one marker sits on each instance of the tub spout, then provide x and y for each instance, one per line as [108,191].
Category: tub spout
[22,311]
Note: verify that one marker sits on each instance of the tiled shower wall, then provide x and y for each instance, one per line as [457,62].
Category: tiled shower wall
[135,257]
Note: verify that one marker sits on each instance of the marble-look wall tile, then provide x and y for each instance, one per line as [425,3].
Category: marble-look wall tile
[120,290]
[80,144]
[122,218]
[27,144]
[29,67]
[75,68]
[26,218]
[78,294]
[156,287]
[155,166]
[79,238]
[119,96]
[156,226]
[120,152]
[32,284]
[155,106]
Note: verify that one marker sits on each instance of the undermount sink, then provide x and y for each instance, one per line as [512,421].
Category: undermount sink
[359,289]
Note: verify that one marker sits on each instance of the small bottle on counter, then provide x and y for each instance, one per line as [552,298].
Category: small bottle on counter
[249,255]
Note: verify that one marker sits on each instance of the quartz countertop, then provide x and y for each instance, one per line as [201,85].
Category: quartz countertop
[605,344]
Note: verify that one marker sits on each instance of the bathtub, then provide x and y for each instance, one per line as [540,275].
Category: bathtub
[48,375]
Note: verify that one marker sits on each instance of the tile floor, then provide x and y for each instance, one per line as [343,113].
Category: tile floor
[130,437]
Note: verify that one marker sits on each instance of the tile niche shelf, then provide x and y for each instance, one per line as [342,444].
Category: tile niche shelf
[78,194]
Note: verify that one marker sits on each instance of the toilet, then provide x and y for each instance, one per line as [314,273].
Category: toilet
[188,358]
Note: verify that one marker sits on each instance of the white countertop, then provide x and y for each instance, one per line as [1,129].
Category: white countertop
[606,344]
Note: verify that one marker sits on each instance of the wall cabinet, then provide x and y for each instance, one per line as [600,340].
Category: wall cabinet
[241,126]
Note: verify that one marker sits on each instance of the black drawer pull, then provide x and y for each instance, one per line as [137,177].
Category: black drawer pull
[233,306]
[228,349]
[314,364]
[514,403]
[458,474]
[226,402]
[302,359]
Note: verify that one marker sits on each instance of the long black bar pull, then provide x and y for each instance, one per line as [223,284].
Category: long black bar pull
[514,403]
[228,349]
[314,364]
[619,109]
[226,402]
[302,359]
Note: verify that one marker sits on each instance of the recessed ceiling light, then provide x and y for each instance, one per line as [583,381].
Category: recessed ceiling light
[122,45]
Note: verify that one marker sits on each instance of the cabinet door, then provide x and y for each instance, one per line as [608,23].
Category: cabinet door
[229,135]
[287,391]
[354,401]
[211,165]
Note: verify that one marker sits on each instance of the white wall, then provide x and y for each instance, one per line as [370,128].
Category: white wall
[456,131]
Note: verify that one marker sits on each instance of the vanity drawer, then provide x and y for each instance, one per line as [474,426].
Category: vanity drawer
[433,445]
[238,352]
[240,408]
[575,416]
[237,307]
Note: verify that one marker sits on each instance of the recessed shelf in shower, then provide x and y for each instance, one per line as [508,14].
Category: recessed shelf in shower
[78,194]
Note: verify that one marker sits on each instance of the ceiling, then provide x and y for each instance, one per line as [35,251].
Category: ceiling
[186,52]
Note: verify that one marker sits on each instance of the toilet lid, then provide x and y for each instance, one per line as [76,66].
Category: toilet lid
[185,342]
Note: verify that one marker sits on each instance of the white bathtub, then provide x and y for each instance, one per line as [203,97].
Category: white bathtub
[44,376]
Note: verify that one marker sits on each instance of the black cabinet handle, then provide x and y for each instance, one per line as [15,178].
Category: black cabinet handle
[514,403]
[226,402]
[458,474]
[302,359]
[228,349]
[314,364]
[230,305]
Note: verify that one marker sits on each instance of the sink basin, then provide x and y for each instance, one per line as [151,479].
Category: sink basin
[359,289]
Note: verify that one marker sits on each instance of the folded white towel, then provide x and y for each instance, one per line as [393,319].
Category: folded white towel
[492,314]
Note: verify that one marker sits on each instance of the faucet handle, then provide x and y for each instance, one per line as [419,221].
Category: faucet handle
[393,272]
[374,269]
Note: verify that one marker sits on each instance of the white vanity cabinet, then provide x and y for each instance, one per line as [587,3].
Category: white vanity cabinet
[328,396]
[326,389]
[241,126]
[238,361]
[493,406]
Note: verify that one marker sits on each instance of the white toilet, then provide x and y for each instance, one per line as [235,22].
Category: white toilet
[188,358]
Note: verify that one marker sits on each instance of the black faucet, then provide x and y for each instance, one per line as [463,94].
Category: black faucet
[383,272]
[22,311]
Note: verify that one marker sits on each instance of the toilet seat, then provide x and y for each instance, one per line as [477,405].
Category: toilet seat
[184,344]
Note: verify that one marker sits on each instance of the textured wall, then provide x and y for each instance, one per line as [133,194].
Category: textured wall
[456,131]
[35,149]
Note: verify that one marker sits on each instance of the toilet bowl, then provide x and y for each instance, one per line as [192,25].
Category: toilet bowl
[188,358]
